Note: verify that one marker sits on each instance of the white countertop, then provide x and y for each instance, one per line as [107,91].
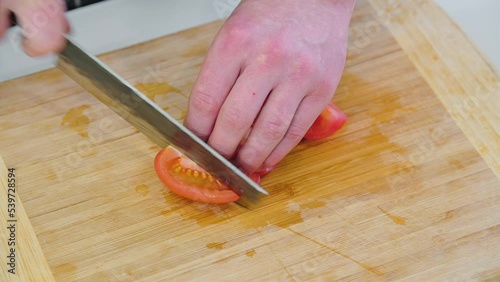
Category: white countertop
[115,24]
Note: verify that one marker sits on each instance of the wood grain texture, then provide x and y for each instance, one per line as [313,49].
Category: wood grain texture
[455,69]
[401,193]
[29,261]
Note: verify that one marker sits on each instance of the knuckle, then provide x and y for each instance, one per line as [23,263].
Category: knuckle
[277,50]
[204,103]
[319,97]
[274,129]
[236,33]
[234,117]
[304,68]
[305,65]
[273,53]
[295,133]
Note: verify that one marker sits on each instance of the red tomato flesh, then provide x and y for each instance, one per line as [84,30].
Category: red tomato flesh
[327,123]
[185,178]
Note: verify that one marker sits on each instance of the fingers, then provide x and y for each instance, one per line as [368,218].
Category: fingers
[270,127]
[306,114]
[240,109]
[44,24]
[217,76]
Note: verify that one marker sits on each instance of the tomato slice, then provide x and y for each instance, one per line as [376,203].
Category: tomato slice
[327,123]
[186,179]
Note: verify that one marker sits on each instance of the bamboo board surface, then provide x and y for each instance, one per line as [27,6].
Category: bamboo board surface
[409,189]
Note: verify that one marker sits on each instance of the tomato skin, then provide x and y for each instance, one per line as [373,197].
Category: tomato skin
[164,161]
[327,123]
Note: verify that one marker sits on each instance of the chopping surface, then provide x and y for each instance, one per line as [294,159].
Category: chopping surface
[400,193]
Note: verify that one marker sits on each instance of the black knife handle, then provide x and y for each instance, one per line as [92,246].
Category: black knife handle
[70,5]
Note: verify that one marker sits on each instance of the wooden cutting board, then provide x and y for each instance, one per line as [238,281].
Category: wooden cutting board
[408,190]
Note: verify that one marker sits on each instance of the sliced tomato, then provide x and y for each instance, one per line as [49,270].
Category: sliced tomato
[328,122]
[185,178]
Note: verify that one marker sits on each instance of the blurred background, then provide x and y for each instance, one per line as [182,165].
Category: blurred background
[102,26]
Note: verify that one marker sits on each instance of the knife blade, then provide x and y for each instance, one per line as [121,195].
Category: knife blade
[136,108]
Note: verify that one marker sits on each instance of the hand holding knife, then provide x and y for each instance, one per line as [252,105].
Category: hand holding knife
[150,119]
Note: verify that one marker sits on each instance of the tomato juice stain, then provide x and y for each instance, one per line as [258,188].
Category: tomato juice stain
[173,104]
[380,131]
[313,204]
[456,163]
[77,120]
[397,219]
[449,215]
[278,215]
[250,253]
[183,114]
[217,246]
[285,189]
[142,189]
[202,214]
[286,219]
[51,174]
[283,217]
[153,89]
[207,214]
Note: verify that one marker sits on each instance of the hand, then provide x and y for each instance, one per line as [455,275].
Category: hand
[271,70]
[43,23]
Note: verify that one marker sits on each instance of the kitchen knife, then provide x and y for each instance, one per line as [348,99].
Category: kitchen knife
[153,121]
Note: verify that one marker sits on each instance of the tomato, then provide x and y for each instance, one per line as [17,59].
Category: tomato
[327,123]
[185,178]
